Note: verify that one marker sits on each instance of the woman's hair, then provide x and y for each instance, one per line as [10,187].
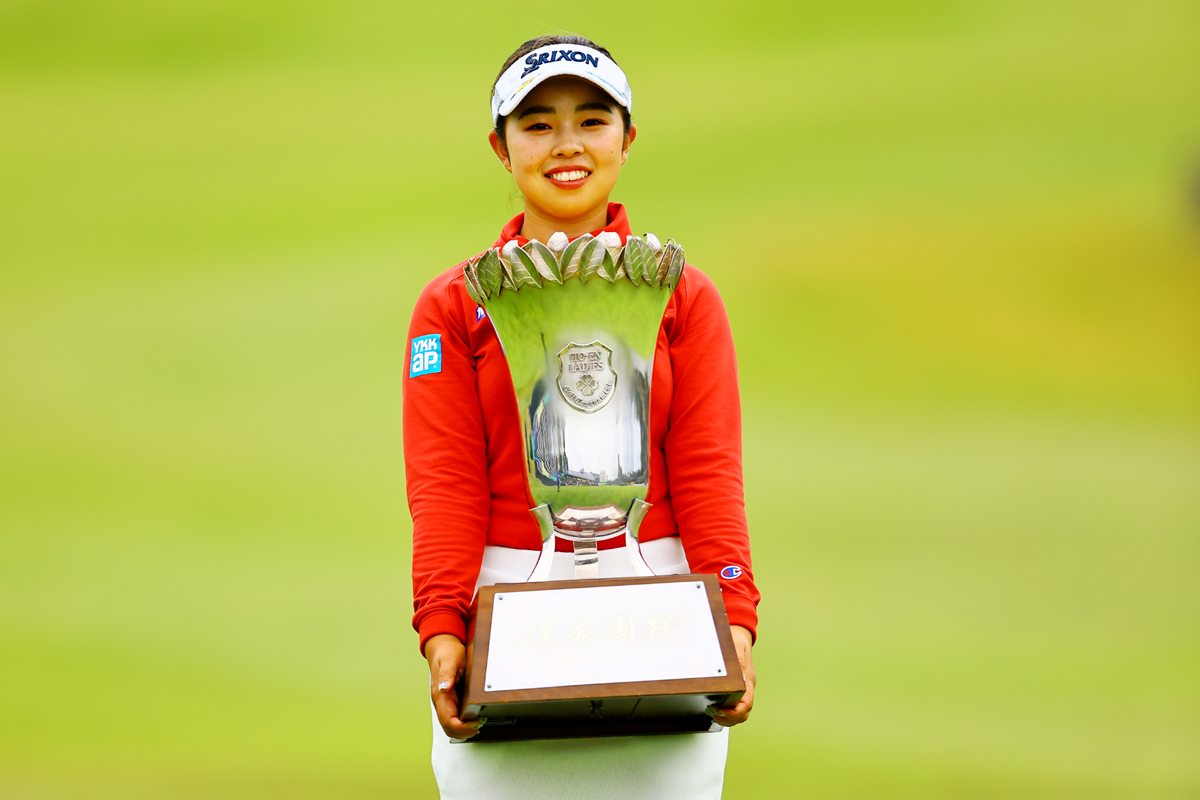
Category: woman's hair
[543,41]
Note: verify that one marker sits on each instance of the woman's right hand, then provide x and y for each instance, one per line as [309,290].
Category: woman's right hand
[447,658]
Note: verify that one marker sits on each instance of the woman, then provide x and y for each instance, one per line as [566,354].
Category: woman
[562,127]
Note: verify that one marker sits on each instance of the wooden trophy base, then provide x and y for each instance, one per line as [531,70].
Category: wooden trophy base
[610,657]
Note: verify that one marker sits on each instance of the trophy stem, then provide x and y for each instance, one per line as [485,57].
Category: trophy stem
[585,548]
[587,559]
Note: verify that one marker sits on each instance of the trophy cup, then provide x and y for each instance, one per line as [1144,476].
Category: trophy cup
[578,323]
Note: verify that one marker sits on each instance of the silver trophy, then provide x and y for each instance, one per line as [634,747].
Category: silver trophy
[579,323]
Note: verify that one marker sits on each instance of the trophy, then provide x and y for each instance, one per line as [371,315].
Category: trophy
[578,323]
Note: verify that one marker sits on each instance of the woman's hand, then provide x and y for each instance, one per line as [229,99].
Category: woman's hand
[743,641]
[447,659]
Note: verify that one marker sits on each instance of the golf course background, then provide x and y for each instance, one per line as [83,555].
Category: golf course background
[960,248]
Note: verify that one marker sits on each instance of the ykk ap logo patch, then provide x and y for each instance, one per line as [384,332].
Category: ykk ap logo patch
[426,355]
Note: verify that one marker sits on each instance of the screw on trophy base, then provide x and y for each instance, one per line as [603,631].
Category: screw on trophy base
[637,654]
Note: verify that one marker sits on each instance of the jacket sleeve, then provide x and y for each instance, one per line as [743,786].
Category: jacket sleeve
[445,460]
[704,448]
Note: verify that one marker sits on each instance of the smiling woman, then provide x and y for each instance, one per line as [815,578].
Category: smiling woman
[566,141]
[563,129]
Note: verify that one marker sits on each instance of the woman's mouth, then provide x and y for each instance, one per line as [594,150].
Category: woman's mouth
[568,177]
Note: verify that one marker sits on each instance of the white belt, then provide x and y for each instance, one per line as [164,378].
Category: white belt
[513,565]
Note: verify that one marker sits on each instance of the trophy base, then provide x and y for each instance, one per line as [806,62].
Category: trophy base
[539,725]
[611,657]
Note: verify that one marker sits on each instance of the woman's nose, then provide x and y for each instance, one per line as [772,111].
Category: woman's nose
[568,144]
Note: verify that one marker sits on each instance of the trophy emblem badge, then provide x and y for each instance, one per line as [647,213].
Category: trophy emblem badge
[586,379]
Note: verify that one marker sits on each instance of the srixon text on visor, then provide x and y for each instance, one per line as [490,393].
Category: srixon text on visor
[536,61]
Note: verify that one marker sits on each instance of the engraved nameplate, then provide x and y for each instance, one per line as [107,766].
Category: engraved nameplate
[602,634]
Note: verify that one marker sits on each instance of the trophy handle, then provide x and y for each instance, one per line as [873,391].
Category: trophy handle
[541,570]
[637,512]
[640,568]
[545,521]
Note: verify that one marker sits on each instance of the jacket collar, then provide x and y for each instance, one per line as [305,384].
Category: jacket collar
[617,223]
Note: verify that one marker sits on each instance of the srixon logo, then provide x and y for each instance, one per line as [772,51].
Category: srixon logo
[536,61]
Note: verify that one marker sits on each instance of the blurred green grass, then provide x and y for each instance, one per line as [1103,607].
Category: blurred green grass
[959,247]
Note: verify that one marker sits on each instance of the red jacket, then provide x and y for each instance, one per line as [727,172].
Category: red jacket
[465,461]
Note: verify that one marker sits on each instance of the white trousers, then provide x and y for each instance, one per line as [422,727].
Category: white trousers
[682,766]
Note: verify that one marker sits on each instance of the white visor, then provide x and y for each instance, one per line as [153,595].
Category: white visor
[551,61]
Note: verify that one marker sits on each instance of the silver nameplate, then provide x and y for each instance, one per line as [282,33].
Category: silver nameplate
[602,634]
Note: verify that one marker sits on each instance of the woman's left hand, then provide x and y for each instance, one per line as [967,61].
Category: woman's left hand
[743,641]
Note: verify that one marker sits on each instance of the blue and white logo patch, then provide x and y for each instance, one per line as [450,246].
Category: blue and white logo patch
[426,355]
[731,572]
[479,313]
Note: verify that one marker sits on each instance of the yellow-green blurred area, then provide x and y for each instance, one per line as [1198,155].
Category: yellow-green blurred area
[960,248]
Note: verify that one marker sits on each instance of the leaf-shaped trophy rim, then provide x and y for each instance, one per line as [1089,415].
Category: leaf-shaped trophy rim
[544,261]
[491,273]
[569,259]
[524,271]
[513,267]
[637,255]
[591,257]
[471,278]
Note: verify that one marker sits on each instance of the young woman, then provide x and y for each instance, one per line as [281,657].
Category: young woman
[562,127]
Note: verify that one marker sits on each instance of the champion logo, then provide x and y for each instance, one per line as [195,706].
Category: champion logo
[731,572]
[536,61]
[479,313]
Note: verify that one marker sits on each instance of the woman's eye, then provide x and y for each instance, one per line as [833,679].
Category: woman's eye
[588,123]
[538,126]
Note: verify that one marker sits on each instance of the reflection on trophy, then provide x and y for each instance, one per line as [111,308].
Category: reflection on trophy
[579,323]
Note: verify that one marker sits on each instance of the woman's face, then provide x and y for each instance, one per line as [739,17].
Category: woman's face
[565,147]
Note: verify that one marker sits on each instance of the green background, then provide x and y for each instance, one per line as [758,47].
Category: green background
[960,248]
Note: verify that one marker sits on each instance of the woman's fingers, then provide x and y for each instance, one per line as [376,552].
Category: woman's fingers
[447,663]
[446,677]
[445,703]
[740,712]
[728,717]
[736,715]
